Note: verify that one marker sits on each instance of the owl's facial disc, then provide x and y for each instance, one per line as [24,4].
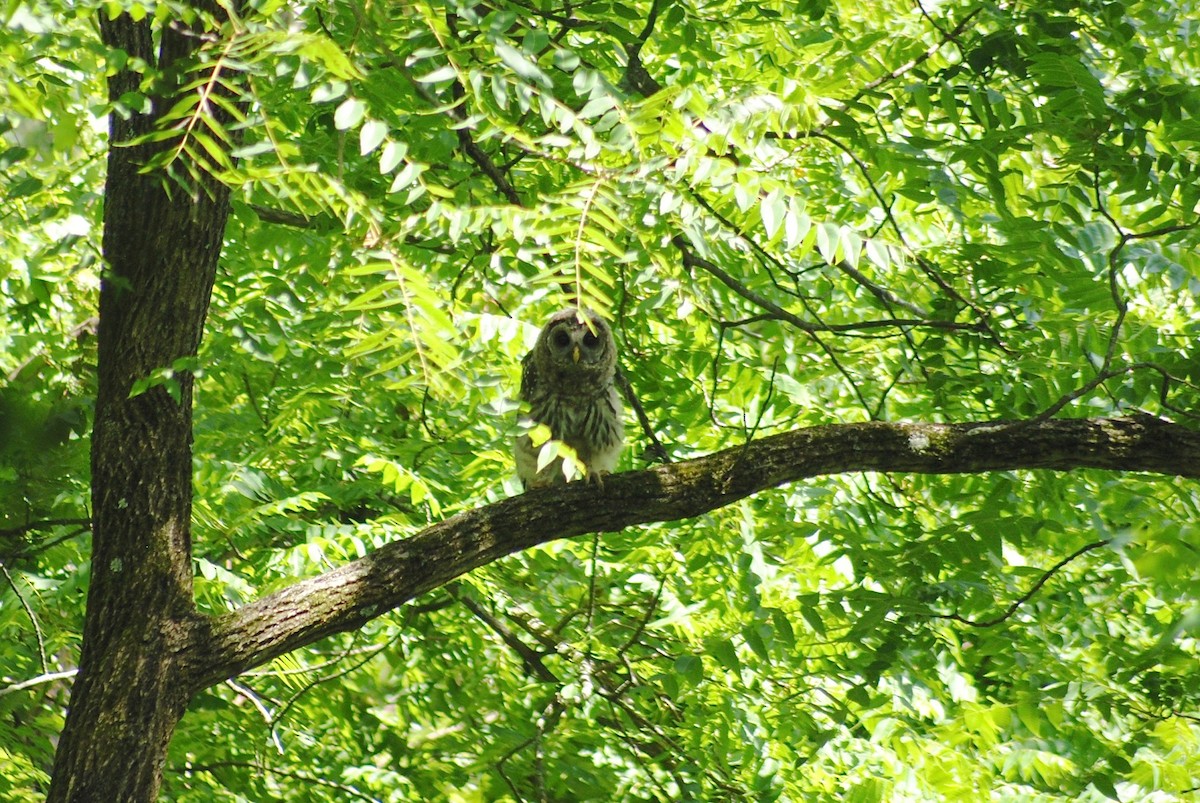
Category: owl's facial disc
[580,340]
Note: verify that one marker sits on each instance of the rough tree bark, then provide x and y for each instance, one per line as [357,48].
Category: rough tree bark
[146,651]
[161,252]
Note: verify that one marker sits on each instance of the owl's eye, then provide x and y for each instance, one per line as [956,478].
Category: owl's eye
[590,340]
[562,339]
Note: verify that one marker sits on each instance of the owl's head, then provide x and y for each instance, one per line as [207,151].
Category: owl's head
[578,341]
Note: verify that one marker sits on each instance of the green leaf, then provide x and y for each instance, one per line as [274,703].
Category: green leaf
[690,668]
[879,254]
[214,149]
[516,61]
[773,208]
[829,243]
[796,227]
[253,149]
[851,246]
[444,73]
[349,113]
[726,655]
[371,135]
[392,155]
[1105,786]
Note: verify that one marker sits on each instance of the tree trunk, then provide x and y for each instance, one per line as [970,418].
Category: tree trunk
[160,249]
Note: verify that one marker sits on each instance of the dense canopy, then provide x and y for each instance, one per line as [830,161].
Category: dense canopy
[794,215]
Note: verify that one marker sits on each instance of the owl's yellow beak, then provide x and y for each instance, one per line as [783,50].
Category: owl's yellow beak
[575,354]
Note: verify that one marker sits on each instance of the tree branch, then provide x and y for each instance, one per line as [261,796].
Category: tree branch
[529,656]
[692,259]
[49,677]
[257,767]
[895,73]
[1016,604]
[886,296]
[37,628]
[347,597]
[46,524]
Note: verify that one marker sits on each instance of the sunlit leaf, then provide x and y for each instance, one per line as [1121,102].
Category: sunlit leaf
[349,113]
[371,135]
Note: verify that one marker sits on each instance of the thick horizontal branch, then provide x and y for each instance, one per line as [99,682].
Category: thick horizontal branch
[349,596]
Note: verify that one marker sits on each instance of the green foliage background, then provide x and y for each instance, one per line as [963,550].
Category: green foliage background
[794,214]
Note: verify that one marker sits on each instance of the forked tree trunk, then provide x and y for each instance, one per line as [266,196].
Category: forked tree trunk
[161,249]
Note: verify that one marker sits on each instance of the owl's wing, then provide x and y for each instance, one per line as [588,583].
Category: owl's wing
[529,378]
[523,452]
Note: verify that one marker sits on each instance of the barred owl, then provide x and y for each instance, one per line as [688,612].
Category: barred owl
[568,382]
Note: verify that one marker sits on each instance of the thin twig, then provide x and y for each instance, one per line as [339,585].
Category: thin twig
[928,269]
[530,657]
[1106,371]
[268,717]
[49,677]
[44,524]
[286,708]
[893,74]
[37,628]
[1021,600]
[646,617]
[658,452]
[211,768]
